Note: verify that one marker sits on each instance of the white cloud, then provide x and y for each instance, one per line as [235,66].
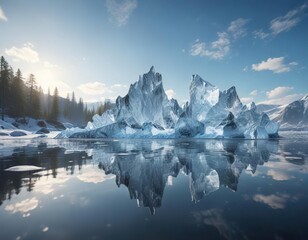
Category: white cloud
[283,23]
[170,93]
[49,65]
[98,88]
[48,185]
[2,15]
[278,91]
[281,170]
[215,218]
[290,20]
[219,48]
[93,175]
[117,86]
[25,53]
[237,28]
[93,88]
[246,100]
[253,93]
[23,207]
[120,11]
[198,48]
[279,175]
[276,65]
[260,34]
[273,201]
[280,96]
[293,63]
[101,91]
[283,100]
[282,163]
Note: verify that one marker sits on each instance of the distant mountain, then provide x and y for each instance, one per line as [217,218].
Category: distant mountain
[294,115]
[267,107]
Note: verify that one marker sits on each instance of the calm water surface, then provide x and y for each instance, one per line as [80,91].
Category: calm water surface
[155,189]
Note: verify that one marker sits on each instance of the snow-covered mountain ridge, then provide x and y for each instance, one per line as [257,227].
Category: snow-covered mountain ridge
[293,116]
[146,112]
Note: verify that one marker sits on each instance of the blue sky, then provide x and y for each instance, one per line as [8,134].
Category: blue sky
[98,48]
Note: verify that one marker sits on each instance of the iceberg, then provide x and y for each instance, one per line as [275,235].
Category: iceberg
[146,112]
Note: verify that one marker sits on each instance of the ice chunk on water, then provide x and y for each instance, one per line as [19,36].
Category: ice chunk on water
[24,168]
[18,134]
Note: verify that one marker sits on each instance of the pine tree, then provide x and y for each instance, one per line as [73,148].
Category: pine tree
[55,106]
[4,85]
[73,98]
[34,104]
[66,106]
[80,106]
[30,83]
[85,113]
[90,114]
[73,108]
[48,104]
[18,98]
[79,112]
[100,109]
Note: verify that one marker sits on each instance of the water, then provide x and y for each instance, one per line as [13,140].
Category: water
[155,189]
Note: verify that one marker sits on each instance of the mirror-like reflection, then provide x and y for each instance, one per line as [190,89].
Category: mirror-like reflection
[144,167]
[157,174]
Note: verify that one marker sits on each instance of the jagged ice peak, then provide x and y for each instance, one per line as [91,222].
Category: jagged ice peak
[146,112]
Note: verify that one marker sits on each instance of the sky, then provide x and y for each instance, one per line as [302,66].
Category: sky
[97,48]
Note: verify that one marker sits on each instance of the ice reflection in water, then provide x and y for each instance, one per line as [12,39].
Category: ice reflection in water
[144,167]
[79,181]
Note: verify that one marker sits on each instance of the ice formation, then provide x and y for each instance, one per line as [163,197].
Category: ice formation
[146,112]
[24,168]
